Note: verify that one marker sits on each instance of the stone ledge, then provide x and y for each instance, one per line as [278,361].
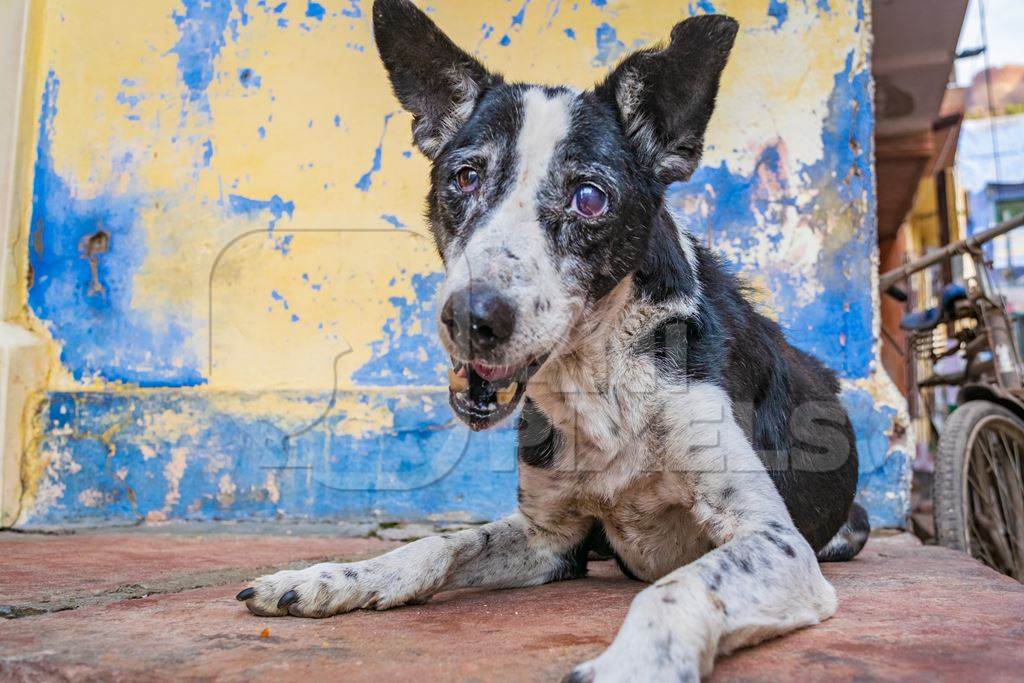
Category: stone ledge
[907,612]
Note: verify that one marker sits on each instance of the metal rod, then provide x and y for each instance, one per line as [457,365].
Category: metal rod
[893,276]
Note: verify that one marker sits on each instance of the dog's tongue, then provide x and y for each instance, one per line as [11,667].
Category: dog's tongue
[493,372]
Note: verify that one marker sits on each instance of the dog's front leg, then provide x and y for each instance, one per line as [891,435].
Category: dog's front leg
[754,587]
[761,579]
[511,552]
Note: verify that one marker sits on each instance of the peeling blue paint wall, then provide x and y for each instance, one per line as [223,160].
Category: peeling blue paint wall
[192,268]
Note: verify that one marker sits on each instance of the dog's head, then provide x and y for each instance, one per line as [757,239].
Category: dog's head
[542,199]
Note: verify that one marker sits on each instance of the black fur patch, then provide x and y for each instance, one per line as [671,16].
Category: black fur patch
[595,543]
[785,400]
[538,441]
[852,537]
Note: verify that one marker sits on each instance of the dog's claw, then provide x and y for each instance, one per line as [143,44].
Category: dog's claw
[287,599]
[577,676]
[245,594]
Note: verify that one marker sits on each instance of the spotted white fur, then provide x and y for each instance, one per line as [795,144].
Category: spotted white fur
[472,558]
[690,508]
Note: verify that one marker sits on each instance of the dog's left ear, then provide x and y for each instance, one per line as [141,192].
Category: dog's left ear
[435,81]
[665,97]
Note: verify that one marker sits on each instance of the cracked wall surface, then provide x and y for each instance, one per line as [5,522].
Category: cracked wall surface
[226,230]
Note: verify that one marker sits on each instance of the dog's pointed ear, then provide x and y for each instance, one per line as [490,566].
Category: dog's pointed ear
[435,81]
[665,97]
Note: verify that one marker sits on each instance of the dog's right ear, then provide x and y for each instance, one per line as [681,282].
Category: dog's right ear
[435,81]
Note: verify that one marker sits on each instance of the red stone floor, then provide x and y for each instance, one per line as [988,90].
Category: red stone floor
[158,605]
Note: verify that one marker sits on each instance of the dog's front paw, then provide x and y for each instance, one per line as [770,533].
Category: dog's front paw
[319,591]
[611,668]
[655,655]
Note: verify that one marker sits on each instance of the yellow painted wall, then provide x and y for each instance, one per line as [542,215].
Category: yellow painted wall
[126,123]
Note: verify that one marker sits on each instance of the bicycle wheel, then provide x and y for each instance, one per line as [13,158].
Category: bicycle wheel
[978,493]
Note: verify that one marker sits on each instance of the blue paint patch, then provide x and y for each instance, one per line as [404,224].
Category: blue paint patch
[354,11]
[314,10]
[609,47]
[518,17]
[424,464]
[132,102]
[570,33]
[880,471]
[407,154]
[277,207]
[337,121]
[283,244]
[249,78]
[277,296]
[262,132]
[85,254]
[409,352]
[280,8]
[704,6]
[366,180]
[392,219]
[201,37]
[207,153]
[486,31]
[823,6]
[841,323]
[778,10]
[598,3]
[505,41]
[553,11]
[283,23]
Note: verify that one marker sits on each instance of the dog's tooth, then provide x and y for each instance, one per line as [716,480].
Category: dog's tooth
[458,382]
[508,393]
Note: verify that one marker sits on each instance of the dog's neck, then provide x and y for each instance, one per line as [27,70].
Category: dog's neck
[605,337]
[598,350]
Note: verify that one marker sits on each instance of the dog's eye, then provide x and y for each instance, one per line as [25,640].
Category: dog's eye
[589,201]
[467,179]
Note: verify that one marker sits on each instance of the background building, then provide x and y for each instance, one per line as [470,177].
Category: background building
[218,296]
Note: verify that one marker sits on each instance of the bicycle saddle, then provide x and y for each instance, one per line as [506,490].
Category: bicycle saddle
[927,319]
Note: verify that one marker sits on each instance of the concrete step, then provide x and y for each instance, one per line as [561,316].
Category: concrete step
[907,612]
[54,572]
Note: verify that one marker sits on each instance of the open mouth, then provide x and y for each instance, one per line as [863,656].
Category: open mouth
[483,395]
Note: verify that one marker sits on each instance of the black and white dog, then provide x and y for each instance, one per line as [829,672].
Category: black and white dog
[665,422]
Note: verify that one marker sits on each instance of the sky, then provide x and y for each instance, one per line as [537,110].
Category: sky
[1005,23]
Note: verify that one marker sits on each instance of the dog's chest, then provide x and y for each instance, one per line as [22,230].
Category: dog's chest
[611,462]
[604,402]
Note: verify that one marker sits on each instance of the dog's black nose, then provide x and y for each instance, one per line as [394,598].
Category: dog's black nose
[478,318]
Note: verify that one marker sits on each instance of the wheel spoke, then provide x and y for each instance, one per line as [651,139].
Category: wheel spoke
[1003,495]
[990,514]
[1013,501]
